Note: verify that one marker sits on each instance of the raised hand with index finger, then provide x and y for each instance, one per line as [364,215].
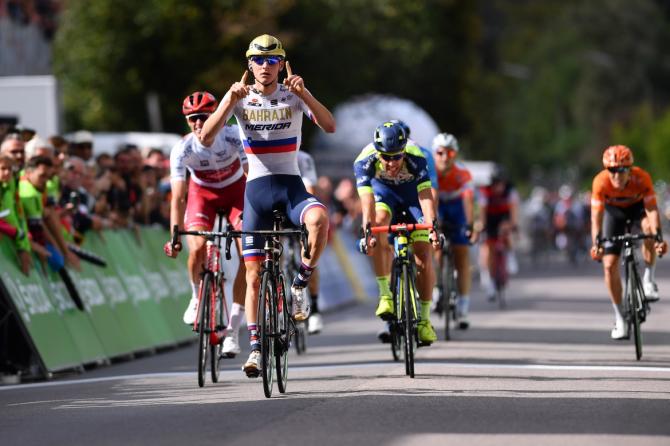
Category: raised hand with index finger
[240,89]
[294,82]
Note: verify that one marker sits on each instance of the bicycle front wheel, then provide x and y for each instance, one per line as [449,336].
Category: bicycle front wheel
[203,326]
[283,335]
[408,321]
[635,307]
[267,329]
[220,325]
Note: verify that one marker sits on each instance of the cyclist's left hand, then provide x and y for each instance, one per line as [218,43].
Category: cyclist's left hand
[661,247]
[294,82]
[171,250]
[434,238]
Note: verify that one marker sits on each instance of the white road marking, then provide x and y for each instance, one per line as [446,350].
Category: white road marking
[458,365]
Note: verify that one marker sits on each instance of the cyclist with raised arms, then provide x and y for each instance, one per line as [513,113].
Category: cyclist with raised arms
[456,209]
[217,182]
[309,178]
[624,192]
[392,177]
[270,119]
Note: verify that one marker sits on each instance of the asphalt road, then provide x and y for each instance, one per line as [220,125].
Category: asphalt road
[543,371]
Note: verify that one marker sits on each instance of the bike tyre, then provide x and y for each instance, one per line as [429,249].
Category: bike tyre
[215,348]
[394,327]
[282,340]
[635,306]
[265,313]
[409,322]
[203,327]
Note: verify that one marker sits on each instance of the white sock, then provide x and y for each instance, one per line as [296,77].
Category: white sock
[236,316]
[463,304]
[194,290]
[650,273]
[617,312]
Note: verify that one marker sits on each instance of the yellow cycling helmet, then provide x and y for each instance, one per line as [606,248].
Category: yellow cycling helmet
[265,45]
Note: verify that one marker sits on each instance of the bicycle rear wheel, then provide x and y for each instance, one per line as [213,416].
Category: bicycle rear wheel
[448,303]
[203,326]
[500,276]
[267,330]
[408,321]
[216,342]
[635,308]
[283,335]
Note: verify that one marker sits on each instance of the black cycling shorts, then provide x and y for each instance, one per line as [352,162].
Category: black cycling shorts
[614,223]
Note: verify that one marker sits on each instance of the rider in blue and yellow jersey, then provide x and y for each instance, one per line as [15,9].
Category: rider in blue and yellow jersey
[391,178]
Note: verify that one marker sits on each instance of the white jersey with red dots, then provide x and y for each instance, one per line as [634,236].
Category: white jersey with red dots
[217,166]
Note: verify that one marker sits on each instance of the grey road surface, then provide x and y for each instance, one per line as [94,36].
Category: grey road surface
[543,371]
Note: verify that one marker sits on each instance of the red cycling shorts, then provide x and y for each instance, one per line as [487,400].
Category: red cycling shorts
[203,203]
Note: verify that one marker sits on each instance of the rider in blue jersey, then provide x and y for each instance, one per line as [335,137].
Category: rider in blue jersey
[391,178]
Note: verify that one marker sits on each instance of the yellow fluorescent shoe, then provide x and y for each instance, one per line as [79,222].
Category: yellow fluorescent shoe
[385,306]
[426,332]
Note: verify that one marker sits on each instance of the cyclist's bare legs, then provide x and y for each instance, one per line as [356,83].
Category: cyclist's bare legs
[462,263]
[316,221]
[197,254]
[382,256]
[648,251]
[425,275]
[240,283]
[613,277]
[253,283]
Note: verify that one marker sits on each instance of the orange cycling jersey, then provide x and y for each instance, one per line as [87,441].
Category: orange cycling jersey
[455,183]
[638,188]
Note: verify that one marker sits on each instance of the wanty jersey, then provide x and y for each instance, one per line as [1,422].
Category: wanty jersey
[270,129]
[217,166]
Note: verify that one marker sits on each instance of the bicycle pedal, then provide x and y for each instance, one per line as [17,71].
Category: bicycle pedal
[387,317]
[423,344]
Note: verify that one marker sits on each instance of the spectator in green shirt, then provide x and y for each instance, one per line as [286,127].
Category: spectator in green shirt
[12,221]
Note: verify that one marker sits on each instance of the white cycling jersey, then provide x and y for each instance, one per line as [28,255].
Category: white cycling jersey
[216,166]
[270,129]
[307,169]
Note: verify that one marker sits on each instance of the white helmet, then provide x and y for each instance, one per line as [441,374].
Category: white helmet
[445,140]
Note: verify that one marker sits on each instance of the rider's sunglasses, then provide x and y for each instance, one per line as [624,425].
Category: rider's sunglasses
[194,117]
[260,60]
[620,169]
[394,157]
[447,153]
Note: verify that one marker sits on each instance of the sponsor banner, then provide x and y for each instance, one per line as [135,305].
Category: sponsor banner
[169,284]
[29,297]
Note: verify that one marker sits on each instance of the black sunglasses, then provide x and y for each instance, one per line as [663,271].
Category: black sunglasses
[394,157]
[620,169]
[201,116]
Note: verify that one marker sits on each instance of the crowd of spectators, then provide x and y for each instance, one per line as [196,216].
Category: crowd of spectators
[42,13]
[54,191]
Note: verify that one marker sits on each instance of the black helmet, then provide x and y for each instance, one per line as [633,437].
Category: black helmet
[498,173]
[390,138]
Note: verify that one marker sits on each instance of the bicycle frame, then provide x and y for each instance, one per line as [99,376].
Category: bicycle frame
[636,306]
[406,319]
[276,327]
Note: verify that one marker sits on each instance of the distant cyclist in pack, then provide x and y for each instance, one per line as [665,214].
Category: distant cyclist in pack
[624,192]
[499,214]
[392,177]
[456,213]
[217,181]
[270,118]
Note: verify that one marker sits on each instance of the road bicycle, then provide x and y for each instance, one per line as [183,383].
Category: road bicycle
[447,286]
[212,310]
[403,324]
[276,327]
[291,268]
[498,248]
[636,307]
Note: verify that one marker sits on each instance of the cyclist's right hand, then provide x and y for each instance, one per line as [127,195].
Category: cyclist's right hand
[366,245]
[240,90]
[171,250]
[597,252]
